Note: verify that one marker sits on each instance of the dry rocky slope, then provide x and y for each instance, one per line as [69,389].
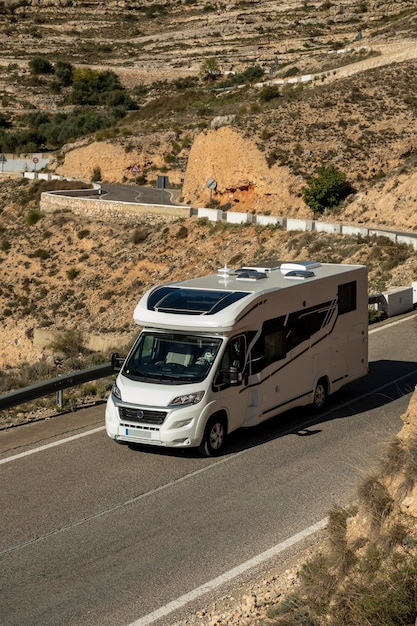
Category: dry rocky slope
[359,116]
[65,272]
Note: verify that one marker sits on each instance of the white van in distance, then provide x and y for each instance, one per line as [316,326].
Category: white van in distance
[236,348]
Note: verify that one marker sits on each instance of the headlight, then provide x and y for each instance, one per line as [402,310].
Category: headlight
[116,391]
[188,398]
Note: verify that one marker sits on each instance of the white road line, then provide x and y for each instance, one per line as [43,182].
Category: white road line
[125,503]
[227,576]
[15,457]
[384,326]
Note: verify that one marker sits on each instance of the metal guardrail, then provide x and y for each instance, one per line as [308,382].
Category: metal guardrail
[72,379]
[54,385]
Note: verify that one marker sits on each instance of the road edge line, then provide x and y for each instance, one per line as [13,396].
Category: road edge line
[196,593]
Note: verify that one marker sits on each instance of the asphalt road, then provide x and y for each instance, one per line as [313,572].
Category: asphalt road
[94,533]
[126,193]
[142,195]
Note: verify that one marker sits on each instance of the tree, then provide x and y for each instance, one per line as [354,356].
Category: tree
[327,189]
[209,69]
[39,65]
[63,73]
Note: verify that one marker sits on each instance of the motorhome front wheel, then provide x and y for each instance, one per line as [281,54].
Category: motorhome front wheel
[214,438]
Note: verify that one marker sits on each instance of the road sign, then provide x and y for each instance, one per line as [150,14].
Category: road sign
[162,182]
[35,160]
[135,168]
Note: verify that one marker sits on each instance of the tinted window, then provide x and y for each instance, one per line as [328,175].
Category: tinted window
[181,300]
[347,297]
[270,346]
[303,324]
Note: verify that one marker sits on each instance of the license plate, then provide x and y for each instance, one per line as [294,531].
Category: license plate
[138,434]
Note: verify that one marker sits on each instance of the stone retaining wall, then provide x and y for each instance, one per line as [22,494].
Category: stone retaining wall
[109,210]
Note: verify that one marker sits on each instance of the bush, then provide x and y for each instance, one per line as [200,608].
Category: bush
[69,343]
[327,189]
[72,273]
[39,65]
[96,175]
[41,254]
[63,73]
[269,92]
[33,218]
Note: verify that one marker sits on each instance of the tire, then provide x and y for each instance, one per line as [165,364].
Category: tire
[320,395]
[214,438]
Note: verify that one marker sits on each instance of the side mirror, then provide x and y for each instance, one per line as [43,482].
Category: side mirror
[231,376]
[117,362]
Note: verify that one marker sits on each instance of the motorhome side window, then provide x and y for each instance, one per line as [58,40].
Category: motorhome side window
[270,346]
[302,325]
[235,354]
[347,297]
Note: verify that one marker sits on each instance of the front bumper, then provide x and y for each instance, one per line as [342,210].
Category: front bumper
[179,429]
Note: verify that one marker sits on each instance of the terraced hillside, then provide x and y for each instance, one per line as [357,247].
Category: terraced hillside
[359,114]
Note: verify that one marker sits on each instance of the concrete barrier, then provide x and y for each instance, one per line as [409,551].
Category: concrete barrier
[382,233]
[409,240]
[214,215]
[109,209]
[331,229]
[125,211]
[239,218]
[399,300]
[354,230]
[295,224]
[269,220]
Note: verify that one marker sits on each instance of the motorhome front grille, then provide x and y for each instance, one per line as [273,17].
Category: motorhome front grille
[143,416]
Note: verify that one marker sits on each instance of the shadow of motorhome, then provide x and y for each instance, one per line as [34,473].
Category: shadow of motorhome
[386,382]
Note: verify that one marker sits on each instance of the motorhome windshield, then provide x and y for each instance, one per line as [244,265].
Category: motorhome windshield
[171,357]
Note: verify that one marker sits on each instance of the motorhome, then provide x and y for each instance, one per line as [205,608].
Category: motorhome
[233,349]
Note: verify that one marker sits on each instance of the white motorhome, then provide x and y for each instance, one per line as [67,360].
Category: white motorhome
[233,349]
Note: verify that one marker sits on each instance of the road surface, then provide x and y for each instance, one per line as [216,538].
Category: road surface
[94,533]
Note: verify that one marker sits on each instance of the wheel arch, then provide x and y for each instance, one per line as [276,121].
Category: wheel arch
[215,434]
[210,411]
[324,378]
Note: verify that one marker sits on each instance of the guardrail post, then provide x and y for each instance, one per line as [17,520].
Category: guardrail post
[60,398]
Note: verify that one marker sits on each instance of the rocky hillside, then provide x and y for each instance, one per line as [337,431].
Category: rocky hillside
[60,271]
[358,113]
[357,110]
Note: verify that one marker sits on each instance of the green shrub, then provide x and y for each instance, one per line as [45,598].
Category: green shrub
[327,189]
[72,273]
[40,65]
[209,69]
[63,73]
[269,92]
[41,253]
[69,343]
[33,218]
[96,175]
